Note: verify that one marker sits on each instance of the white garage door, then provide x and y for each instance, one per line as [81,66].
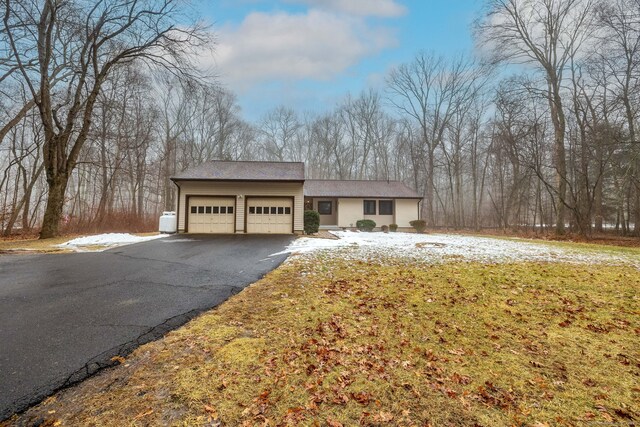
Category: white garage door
[212,214]
[270,215]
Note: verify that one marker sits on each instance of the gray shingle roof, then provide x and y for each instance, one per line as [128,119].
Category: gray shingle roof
[377,189]
[218,170]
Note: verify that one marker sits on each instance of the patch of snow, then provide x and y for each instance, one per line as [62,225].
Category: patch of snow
[432,248]
[108,240]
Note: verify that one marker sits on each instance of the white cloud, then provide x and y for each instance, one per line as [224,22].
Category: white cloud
[314,45]
[380,8]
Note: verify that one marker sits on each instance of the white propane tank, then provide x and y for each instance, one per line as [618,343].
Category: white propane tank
[168,223]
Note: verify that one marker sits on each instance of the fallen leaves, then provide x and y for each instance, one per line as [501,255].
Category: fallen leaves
[362,397]
[599,329]
[144,414]
[565,323]
[492,395]
[334,423]
[211,411]
[121,360]
[457,352]
[383,417]
[460,379]
[345,343]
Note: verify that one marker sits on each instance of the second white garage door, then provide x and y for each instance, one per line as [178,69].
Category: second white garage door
[212,214]
[269,215]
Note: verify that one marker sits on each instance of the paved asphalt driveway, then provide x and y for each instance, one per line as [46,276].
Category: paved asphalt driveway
[62,317]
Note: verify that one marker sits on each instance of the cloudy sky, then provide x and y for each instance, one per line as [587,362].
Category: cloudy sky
[307,54]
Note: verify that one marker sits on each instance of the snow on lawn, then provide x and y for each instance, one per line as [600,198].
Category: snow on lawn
[443,247]
[105,241]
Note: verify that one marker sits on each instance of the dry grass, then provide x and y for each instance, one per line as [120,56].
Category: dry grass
[18,244]
[321,342]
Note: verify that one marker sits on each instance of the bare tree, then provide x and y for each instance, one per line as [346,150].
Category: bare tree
[513,128]
[545,33]
[226,122]
[620,53]
[430,90]
[175,115]
[88,40]
[329,159]
[24,148]
[279,129]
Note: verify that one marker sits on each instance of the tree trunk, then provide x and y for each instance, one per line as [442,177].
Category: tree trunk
[636,203]
[26,208]
[24,205]
[585,206]
[597,191]
[635,176]
[559,123]
[431,222]
[55,203]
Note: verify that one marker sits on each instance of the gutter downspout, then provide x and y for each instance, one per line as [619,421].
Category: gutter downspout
[178,208]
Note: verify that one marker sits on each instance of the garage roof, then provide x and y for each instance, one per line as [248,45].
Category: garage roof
[377,189]
[218,170]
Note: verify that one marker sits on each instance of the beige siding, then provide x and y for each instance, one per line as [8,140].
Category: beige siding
[351,210]
[240,190]
[327,219]
[406,210]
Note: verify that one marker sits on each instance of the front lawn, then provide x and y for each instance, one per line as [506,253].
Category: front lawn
[326,341]
[33,245]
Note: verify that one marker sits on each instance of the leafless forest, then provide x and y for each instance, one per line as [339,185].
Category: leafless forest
[102,101]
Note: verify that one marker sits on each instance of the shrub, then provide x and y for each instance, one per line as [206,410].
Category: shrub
[393,227]
[419,225]
[365,224]
[385,228]
[311,222]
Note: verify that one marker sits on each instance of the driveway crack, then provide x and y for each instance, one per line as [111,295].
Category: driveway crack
[106,359]
[84,287]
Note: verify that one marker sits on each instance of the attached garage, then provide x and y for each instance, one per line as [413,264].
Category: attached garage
[269,215]
[212,215]
[223,197]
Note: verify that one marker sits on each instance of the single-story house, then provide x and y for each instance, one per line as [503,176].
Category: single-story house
[270,197]
[342,203]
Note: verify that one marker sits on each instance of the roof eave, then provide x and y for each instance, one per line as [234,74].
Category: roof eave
[175,179]
[363,197]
